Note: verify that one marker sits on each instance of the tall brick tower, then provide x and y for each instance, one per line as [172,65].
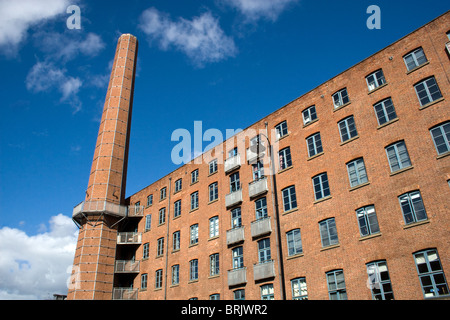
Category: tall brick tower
[104,206]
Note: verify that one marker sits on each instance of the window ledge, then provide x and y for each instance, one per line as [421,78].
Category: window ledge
[445,154]
[194,182]
[192,210]
[323,199]
[387,123]
[432,103]
[177,191]
[290,211]
[193,245]
[349,140]
[341,107]
[359,186]
[285,136]
[286,169]
[298,255]
[213,173]
[311,122]
[214,276]
[415,224]
[193,281]
[331,247]
[315,156]
[370,236]
[378,88]
[174,285]
[175,251]
[212,201]
[418,67]
[177,217]
[213,238]
[401,170]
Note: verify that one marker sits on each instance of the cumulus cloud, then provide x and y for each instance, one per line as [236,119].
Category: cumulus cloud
[201,38]
[254,10]
[35,267]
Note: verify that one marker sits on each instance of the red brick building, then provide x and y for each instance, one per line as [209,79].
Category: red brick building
[357,207]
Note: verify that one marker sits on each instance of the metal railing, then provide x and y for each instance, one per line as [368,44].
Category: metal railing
[127,266]
[108,208]
[125,294]
[129,237]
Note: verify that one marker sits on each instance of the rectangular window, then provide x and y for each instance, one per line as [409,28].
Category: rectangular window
[281,129]
[328,232]
[336,285]
[431,275]
[340,98]
[194,176]
[175,274]
[148,222]
[233,152]
[162,216]
[264,254]
[193,270]
[347,129]
[177,209]
[176,241]
[299,289]
[258,170]
[321,186]
[145,250]
[357,172]
[214,227]
[236,220]
[144,281]
[194,234]
[239,294]
[150,200]
[314,144]
[309,115]
[178,185]
[289,198]
[194,200]
[367,220]
[412,207]
[235,184]
[375,80]
[294,242]
[163,193]
[215,296]
[261,208]
[160,247]
[385,111]
[238,257]
[267,292]
[214,265]
[213,191]
[285,158]
[415,59]
[213,166]
[379,281]
[398,156]
[441,138]
[158,279]
[428,91]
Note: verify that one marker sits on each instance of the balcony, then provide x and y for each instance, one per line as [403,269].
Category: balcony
[255,152]
[264,270]
[261,227]
[233,198]
[258,187]
[106,207]
[125,294]
[237,276]
[235,235]
[232,163]
[127,266]
[135,211]
[129,238]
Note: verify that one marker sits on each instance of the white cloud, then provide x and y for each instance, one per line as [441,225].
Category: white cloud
[256,9]
[201,38]
[17,16]
[35,267]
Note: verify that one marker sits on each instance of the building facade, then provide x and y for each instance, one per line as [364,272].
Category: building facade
[344,193]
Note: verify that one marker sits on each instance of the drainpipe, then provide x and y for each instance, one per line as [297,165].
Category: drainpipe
[167,233]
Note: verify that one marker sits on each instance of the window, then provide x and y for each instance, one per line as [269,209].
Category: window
[336,285]
[431,275]
[285,158]
[314,144]
[328,232]
[309,115]
[194,176]
[267,292]
[175,274]
[412,207]
[214,227]
[294,242]
[238,257]
[160,247]
[282,129]
[441,137]
[398,156]
[357,172]
[150,200]
[340,98]
[235,184]
[137,207]
[144,281]
[145,250]
[148,222]
[385,111]
[347,129]
[261,208]
[289,198]
[299,289]
[239,294]
[376,79]
[258,170]
[215,296]
[321,186]
[214,264]
[194,234]
[448,35]
[233,152]
[379,280]
[162,216]
[178,185]
[176,241]
[236,220]
[177,209]
[415,59]
[428,91]
[194,200]
[162,193]
[193,270]
[213,166]
[158,279]
[213,191]
[367,220]
[264,254]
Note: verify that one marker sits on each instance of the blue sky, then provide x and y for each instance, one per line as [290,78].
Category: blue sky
[227,63]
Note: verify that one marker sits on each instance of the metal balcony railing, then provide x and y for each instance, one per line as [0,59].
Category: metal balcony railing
[129,238]
[125,294]
[87,207]
[127,266]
